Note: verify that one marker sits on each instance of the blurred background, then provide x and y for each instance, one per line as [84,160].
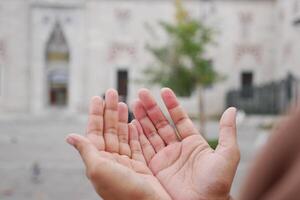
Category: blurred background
[56,54]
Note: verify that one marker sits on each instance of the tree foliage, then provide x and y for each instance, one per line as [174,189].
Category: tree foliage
[180,63]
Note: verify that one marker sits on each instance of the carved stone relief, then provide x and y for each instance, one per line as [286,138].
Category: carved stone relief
[122,15]
[253,50]
[119,48]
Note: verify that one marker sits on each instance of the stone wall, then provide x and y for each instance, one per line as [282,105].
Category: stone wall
[105,36]
[14,55]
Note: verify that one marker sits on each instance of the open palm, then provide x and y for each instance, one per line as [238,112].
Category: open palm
[180,158]
[112,153]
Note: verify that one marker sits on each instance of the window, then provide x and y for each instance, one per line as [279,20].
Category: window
[247,84]
[57,58]
[122,78]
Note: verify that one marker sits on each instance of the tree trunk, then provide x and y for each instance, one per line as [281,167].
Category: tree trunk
[202,116]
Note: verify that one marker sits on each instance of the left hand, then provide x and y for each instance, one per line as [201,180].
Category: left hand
[186,166]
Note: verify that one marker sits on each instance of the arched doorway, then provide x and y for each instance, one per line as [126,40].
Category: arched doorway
[57,64]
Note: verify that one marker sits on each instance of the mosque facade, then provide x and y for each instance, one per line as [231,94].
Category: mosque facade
[57,54]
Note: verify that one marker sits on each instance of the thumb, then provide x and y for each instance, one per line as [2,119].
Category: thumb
[228,137]
[86,149]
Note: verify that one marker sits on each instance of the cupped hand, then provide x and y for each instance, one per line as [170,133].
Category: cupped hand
[180,158]
[112,153]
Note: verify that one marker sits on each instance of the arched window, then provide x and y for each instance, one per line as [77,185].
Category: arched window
[57,59]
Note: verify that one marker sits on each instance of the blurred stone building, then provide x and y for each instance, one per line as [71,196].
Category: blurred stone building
[56,53]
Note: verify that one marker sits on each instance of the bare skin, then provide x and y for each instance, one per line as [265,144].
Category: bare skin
[112,153]
[186,166]
[146,160]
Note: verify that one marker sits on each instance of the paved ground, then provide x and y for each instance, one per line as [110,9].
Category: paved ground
[37,164]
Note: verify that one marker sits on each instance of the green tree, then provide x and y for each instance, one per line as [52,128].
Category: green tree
[181,63]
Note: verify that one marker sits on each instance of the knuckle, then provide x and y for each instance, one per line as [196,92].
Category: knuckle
[111,130]
[151,134]
[161,124]
[135,147]
[136,150]
[123,138]
[144,144]
[170,137]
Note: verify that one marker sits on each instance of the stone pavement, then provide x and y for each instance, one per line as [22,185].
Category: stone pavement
[37,164]
[58,172]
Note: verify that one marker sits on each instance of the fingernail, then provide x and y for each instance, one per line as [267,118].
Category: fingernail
[233,109]
[71,141]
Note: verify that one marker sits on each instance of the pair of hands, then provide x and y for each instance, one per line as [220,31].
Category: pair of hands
[149,158]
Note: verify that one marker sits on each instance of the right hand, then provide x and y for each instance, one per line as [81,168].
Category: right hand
[113,156]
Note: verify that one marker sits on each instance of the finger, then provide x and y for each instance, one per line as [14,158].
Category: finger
[165,130]
[111,121]
[183,123]
[124,148]
[147,148]
[148,128]
[227,137]
[86,149]
[136,150]
[95,122]
[104,173]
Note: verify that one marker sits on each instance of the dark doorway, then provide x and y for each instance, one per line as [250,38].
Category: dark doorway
[58,89]
[58,96]
[247,84]
[122,78]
